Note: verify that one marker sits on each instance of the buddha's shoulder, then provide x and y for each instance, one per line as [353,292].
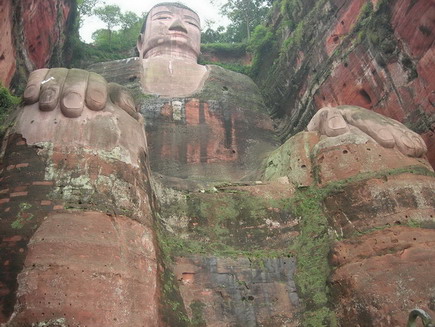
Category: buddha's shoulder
[238,88]
[223,75]
[123,71]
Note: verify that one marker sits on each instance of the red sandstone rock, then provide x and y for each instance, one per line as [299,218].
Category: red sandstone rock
[341,161]
[90,269]
[344,25]
[380,277]
[39,27]
[414,24]
[380,202]
[7,48]
[43,28]
[217,57]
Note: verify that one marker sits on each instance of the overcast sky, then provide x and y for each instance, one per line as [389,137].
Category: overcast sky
[205,10]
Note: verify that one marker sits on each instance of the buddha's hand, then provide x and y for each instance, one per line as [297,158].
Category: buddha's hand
[334,121]
[74,90]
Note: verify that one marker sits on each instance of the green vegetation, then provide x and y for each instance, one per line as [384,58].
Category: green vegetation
[215,220]
[109,44]
[85,9]
[22,217]
[225,49]
[261,43]
[238,68]
[8,103]
[233,51]
[311,248]
[375,28]
[173,312]
[244,15]
[197,314]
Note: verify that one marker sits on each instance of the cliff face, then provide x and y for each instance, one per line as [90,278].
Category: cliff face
[32,34]
[375,54]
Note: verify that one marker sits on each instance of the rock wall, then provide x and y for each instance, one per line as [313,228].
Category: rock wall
[32,35]
[375,54]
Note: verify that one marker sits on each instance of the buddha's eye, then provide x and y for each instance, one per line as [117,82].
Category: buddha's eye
[163,18]
[192,23]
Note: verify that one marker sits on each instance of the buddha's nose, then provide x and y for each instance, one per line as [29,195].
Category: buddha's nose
[178,25]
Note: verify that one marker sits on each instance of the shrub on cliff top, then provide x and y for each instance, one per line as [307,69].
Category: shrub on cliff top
[261,42]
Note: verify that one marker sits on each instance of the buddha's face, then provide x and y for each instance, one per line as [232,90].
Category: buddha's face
[169,28]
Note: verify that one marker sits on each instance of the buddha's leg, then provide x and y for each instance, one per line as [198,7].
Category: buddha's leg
[76,241]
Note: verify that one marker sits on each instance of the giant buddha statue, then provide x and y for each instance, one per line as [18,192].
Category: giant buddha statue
[79,244]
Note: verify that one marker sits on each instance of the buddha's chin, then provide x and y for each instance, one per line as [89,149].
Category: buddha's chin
[177,46]
[173,40]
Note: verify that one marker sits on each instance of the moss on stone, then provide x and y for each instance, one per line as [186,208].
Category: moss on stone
[197,308]
[23,217]
[171,303]
[8,103]
[312,248]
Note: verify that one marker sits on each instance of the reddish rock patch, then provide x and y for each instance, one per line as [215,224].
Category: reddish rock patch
[7,48]
[380,277]
[39,28]
[345,22]
[42,35]
[348,160]
[91,269]
[381,202]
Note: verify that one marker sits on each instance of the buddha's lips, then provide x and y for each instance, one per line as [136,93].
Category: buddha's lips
[178,33]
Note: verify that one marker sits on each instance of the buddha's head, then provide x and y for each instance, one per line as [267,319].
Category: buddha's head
[170,28]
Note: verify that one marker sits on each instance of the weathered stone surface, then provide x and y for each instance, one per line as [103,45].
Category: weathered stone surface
[380,202]
[33,33]
[380,277]
[231,218]
[231,247]
[90,269]
[292,160]
[346,156]
[374,187]
[238,292]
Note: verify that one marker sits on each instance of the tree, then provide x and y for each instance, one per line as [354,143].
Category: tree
[110,15]
[130,19]
[244,15]
[85,8]
[120,42]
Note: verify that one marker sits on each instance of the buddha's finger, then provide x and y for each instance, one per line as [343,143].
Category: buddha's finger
[96,92]
[51,88]
[33,87]
[121,97]
[73,94]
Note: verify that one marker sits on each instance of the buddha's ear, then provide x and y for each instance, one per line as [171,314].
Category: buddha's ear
[139,45]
